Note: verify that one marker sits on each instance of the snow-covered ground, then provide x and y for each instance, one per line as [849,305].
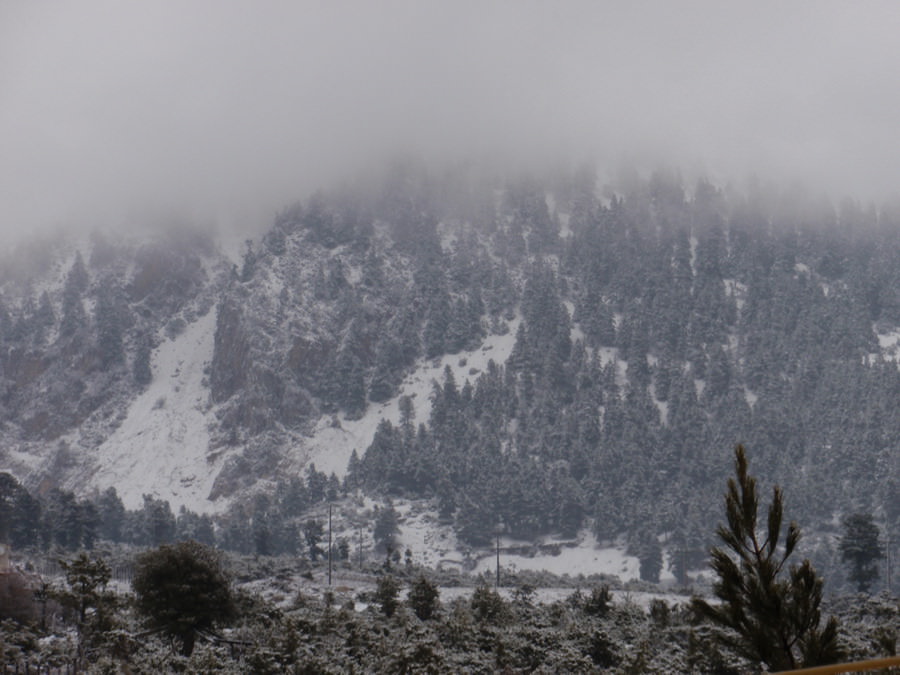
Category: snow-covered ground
[434,545]
[346,587]
[160,448]
[890,344]
[586,557]
[550,594]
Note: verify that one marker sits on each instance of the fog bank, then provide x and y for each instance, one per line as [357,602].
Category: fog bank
[112,112]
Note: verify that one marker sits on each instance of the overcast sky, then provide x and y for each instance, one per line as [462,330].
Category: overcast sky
[112,109]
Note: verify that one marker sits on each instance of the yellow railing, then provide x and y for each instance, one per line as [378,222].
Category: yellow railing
[857,667]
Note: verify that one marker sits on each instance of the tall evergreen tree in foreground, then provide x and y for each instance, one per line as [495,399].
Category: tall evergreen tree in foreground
[771,615]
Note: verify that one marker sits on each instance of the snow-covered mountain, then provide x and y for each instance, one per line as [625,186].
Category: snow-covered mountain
[214,413]
[535,352]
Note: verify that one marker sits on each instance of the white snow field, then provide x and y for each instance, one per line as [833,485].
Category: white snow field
[160,448]
[890,344]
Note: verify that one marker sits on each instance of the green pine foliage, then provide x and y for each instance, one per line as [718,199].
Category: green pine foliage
[141,370]
[386,594]
[182,589]
[275,625]
[424,597]
[86,594]
[861,549]
[770,611]
[664,322]
[73,314]
[386,529]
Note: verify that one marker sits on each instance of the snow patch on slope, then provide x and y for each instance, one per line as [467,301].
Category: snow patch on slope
[890,344]
[434,544]
[335,438]
[585,557]
[160,447]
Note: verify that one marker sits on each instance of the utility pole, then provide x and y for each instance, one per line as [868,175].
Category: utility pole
[329,545]
[498,560]
[887,549]
[498,528]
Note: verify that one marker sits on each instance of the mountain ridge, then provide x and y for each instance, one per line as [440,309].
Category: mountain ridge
[635,335]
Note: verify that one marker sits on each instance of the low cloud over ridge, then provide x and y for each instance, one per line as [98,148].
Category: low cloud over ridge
[229,110]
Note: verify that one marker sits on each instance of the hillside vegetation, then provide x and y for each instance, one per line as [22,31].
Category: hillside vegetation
[655,325]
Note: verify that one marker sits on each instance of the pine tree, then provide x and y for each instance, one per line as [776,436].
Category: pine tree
[248,267]
[388,369]
[86,578]
[861,549]
[387,589]
[313,532]
[316,484]
[73,316]
[62,520]
[650,557]
[25,526]
[423,598]
[109,322]
[158,521]
[182,590]
[9,490]
[90,523]
[352,480]
[43,319]
[347,388]
[386,528]
[436,325]
[771,615]
[6,321]
[235,532]
[262,527]
[143,375]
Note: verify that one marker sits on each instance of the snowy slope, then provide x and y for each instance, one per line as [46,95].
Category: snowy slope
[332,444]
[161,446]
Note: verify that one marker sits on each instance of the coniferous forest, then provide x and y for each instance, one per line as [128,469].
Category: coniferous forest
[182,606]
[449,337]
[655,324]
